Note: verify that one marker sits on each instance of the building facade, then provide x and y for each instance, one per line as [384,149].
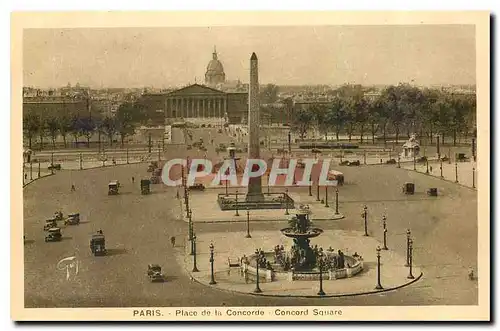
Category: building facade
[215,71]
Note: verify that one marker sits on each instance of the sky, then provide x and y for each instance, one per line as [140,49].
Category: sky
[295,55]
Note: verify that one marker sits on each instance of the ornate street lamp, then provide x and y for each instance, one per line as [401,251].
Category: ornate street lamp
[365,217]
[473,177]
[336,201]
[285,198]
[212,280]
[248,224]
[127,155]
[441,167]
[456,172]
[326,196]
[414,161]
[257,287]
[52,163]
[317,192]
[410,275]
[427,163]
[408,238]
[226,187]
[39,168]
[310,190]
[320,264]
[384,224]
[81,161]
[379,286]
[236,213]
[31,169]
[195,268]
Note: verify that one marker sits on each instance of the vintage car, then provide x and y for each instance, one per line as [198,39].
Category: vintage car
[73,219]
[433,192]
[49,224]
[354,163]
[53,234]
[189,147]
[197,187]
[56,166]
[409,188]
[113,187]
[98,244]
[336,175]
[145,186]
[154,273]
[391,161]
[461,157]
[58,216]
[422,159]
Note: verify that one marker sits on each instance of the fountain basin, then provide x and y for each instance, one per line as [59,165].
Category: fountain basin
[311,233]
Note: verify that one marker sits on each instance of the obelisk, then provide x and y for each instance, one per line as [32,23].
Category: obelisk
[254,192]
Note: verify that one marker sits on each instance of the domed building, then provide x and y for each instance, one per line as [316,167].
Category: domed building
[215,71]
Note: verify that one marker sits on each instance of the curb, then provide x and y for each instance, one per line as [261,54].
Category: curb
[34,180]
[302,296]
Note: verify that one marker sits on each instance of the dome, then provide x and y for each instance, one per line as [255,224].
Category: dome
[215,66]
[215,71]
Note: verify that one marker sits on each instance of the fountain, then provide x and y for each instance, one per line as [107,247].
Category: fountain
[300,229]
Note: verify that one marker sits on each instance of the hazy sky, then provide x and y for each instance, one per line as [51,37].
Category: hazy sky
[162,57]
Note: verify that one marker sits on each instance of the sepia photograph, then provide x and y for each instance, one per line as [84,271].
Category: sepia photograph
[242,166]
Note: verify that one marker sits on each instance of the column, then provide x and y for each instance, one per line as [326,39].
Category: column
[225,108]
[183,114]
[220,108]
[192,108]
[197,107]
[209,108]
[203,109]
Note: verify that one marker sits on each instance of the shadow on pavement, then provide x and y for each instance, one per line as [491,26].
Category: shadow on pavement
[116,251]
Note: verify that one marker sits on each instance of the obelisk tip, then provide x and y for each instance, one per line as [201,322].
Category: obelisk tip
[254,57]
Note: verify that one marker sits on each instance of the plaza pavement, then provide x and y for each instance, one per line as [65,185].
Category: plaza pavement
[138,228]
[234,245]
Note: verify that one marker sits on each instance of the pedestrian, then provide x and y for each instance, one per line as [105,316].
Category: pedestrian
[73,189]
[430,168]
[172,241]
[133,179]
[25,176]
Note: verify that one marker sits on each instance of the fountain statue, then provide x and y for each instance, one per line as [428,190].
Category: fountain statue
[301,230]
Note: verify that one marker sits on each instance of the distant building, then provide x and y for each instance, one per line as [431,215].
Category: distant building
[215,71]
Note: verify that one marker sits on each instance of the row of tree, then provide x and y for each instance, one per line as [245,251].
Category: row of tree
[77,124]
[401,109]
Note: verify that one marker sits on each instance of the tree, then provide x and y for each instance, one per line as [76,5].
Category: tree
[349,110]
[320,113]
[53,129]
[125,119]
[361,114]
[336,116]
[109,128]
[373,117]
[87,128]
[65,126]
[302,122]
[76,128]
[31,126]
[269,94]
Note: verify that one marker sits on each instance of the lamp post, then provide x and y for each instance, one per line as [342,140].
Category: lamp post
[364,156]
[408,238]
[414,161]
[195,268]
[437,147]
[365,216]
[449,153]
[410,260]
[159,155]
[268,189]
[39,168]
[236,214]
[379,286]
[285,198]
[257,287]
[248,224]
[310,190]
[320,264]
[473,177]
[336,201]
[317,192]
[31,169]
[384,224]
[127,156]
[399,161]
[226,187]
[456,172]
[212,279]
[326,196]
[52,163]
[81,162]
[427,164]
[441,167]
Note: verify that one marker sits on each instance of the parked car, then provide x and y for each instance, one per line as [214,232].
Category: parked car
[197,187]
[113,188]
[98,244]
[53,234]
[49,224]
[73,219]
